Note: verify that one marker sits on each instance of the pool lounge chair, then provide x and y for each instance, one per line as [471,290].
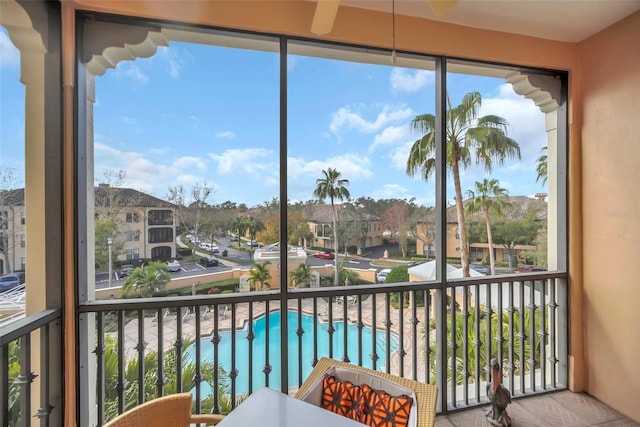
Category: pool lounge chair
[425,395]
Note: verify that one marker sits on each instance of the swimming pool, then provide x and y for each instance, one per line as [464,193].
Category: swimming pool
[259,349]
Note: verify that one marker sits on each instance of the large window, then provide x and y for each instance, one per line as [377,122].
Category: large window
[362,160]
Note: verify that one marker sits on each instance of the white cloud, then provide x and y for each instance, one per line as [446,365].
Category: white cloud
[9,54]
[253,161]
[352,166]
[403,80]
[227,134]
[391,135]
[176,59]
[347,118]
[400,155]
[132,71]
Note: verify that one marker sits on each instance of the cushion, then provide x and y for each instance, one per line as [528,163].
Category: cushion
[364,404]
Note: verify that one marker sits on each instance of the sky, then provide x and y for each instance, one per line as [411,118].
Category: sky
[201,114]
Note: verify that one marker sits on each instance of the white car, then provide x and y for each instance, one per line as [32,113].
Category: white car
[381,277]
[173,266]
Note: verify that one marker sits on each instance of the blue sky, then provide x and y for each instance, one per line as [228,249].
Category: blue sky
[193,114]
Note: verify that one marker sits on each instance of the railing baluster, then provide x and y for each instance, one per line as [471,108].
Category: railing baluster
[523,338]
[250,338]
[345,329]
[532,335]
[427,335]
[374,330]
[140,348]
[197,378]
[215,340]
[512,339]
[121,380]
[299,332]
[330,329]
[178,349]
[500,337]
[453,348]
[465,345]
[478,341]
[315,331]
[160,380]
[267,365]
[553,357]
[401,351]
[99,351]
[233,374]
[4,384]
[543,335]
[387,331]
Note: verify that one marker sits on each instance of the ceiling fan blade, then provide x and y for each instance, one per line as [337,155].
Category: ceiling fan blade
[326,11]
[440,7]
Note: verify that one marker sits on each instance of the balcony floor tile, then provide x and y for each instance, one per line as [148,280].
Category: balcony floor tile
[563,408]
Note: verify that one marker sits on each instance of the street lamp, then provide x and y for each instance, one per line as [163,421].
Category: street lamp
[109,245]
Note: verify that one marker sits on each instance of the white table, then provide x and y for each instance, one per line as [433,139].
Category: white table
[266,407]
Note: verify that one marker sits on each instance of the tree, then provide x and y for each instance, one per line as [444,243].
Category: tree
[260,274]
[253,226]
[333,187]
[541,167]
[468,137]
[511,233]
[396,220]
[301,276]
[489,197]
[148,280]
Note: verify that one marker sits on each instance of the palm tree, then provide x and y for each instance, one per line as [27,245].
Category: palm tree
[488,197]
[260,274]
[541,167]
[253,226]
[467,137]
[237,226]
[301,276]
[333,187]
[147,281]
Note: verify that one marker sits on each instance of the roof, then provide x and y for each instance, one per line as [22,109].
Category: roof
[12,197]
[323,214]
[127,197]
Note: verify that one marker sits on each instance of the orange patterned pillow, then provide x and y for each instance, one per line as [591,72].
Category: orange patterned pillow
[334,398]
[385,410]
[361,403]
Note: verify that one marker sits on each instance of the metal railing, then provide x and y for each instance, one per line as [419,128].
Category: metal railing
[223,347]
[31,370]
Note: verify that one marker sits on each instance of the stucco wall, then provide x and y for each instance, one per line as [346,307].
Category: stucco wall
[610,90]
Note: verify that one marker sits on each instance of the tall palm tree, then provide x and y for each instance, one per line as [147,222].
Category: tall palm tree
[147,281]
[301,276]
[468,138]
[333,187]
[488,197]
[260,273]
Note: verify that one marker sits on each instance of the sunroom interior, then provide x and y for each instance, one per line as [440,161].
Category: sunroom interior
[585,93]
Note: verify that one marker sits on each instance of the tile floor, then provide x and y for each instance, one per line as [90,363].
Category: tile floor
[563,408]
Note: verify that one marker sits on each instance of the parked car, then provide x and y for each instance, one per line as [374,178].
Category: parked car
[480,268]
[126,270]
[529,269]
[254,244]
[381,277]
[10,281]
[209,261]
[324,255]
[214,248]
[173,266]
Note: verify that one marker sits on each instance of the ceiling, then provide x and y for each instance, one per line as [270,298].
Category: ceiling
[562,20]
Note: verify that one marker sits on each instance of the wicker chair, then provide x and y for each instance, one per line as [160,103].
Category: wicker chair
[170,411]
[426,395]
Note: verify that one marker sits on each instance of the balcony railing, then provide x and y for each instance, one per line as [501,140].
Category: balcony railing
[31,370]
[235,343]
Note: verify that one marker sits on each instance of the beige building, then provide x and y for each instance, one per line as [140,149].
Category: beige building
[13,233]
[146,225]
[363,231]
[520,207]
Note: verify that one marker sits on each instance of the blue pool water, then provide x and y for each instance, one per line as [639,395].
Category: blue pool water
[259,349]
